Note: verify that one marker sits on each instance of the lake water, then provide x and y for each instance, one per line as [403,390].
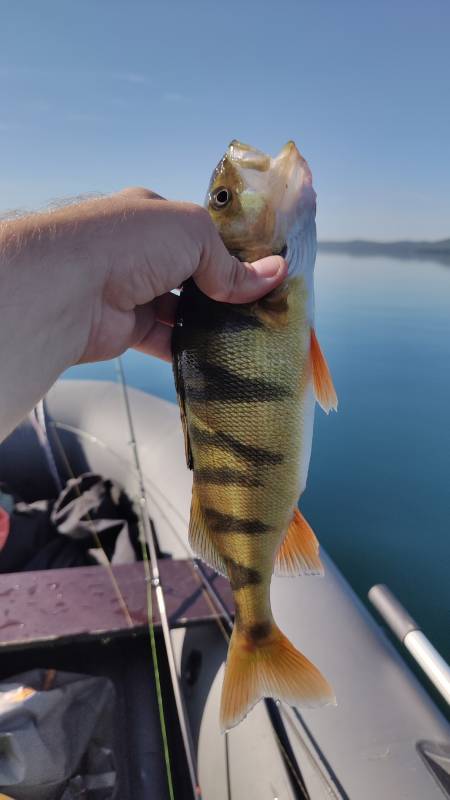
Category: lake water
[378,493]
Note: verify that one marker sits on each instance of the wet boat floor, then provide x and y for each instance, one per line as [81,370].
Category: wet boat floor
[71,620]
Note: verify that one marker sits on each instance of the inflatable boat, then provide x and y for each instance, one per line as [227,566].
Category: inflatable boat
[386,738]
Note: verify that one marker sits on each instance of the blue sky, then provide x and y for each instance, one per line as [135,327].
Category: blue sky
[96,95]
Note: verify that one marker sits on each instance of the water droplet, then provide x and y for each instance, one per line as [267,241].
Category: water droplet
[32,590]
[53,586]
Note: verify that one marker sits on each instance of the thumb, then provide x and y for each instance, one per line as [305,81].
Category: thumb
[234,281]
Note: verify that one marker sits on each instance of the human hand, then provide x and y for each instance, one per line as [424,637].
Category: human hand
[154,245]
[89,280]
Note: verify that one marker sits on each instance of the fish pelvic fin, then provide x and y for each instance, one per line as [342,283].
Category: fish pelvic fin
[322,381]
[200,538]
[269,667]
[299,551]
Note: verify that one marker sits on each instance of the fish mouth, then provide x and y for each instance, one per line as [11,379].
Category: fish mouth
[248,157]
[286,179]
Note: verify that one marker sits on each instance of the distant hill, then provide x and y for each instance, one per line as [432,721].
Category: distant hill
[433,251]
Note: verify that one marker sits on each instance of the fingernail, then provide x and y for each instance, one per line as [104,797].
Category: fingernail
[270,267]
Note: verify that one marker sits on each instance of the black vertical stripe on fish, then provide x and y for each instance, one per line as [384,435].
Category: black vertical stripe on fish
[226,477]
[241,576]
[227,523]
[225,386]
[197,312]
[256,456]
[258,631]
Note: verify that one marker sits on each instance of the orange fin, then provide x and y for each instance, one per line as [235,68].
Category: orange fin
[323,383]
[181,394]
[299,551]
[200,538]
[271,667]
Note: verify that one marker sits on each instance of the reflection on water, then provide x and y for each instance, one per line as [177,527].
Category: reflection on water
[378,488]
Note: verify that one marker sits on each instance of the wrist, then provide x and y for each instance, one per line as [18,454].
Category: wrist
[51,282]
[48,294]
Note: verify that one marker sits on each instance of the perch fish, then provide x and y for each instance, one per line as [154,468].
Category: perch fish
[247,378]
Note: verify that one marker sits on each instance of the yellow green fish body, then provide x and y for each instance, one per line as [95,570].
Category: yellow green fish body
[245,379]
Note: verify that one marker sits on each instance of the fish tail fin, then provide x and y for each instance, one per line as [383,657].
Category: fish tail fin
[299,551]
[268,667]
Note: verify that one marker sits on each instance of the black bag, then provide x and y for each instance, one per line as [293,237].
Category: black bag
[52,534]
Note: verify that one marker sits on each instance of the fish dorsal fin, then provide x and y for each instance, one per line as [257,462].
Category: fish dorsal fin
[187,441]
[299,551]
[200,537]
[322,381]
[180,390]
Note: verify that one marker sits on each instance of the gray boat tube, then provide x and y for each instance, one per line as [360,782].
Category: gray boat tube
[386,733]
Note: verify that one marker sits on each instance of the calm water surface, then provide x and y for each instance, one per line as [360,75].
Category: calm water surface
[378,492]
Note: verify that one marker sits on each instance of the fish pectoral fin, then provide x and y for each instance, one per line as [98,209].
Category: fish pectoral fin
[270,668]
[200,538]
[322,381]
[299,551]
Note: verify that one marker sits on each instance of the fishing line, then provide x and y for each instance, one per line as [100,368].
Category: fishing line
[153,580]
[106,563]
[82,434]
[211,596]
[209,592]
[219,612]
[148,582]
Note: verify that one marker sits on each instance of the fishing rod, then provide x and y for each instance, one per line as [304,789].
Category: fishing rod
[38,422]
[155,583]
[222,615]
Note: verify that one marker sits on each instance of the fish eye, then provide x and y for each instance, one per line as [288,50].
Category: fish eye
[221,197]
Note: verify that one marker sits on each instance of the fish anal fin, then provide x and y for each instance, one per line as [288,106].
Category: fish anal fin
[270,668]
[322,381]
[299,551]
[200,538]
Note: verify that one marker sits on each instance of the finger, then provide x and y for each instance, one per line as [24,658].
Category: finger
[157,342]
[241,282]
[166,308]
[139,193]
[223,277]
